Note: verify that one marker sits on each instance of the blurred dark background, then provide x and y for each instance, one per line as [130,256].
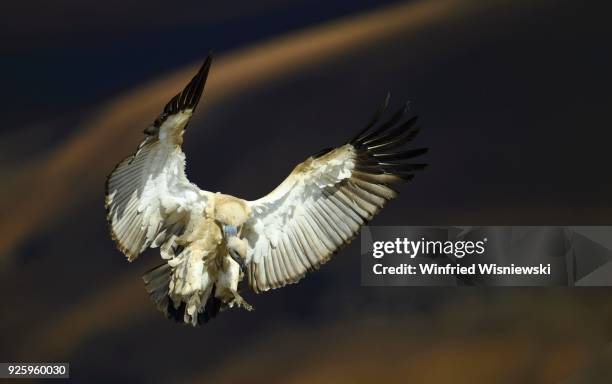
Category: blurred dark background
[514,99]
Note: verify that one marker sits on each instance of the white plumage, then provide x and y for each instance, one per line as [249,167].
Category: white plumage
[210,241]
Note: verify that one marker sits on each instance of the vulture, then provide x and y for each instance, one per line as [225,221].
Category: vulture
[209,242]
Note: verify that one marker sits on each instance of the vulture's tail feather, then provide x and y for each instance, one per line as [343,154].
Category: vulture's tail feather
[157,282]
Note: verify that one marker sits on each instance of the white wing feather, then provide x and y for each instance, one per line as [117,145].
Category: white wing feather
[324,202]
[149,199]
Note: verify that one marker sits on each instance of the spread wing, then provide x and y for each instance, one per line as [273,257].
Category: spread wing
[149,201]
[324,202]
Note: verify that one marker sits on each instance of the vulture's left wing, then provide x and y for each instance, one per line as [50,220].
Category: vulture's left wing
[325,200]
[149,201]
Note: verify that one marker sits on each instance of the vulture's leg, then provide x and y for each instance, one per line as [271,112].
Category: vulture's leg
[239,259]
[234,263]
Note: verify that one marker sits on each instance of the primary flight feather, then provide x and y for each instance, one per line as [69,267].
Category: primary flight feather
[210,241]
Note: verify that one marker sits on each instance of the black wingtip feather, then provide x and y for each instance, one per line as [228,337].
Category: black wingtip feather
[377,115]
[396,142]
[401,155]
[373,134]
[190,96]
[379,148]
[392,134]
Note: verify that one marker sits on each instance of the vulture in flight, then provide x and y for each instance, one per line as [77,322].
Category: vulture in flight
[210,242]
